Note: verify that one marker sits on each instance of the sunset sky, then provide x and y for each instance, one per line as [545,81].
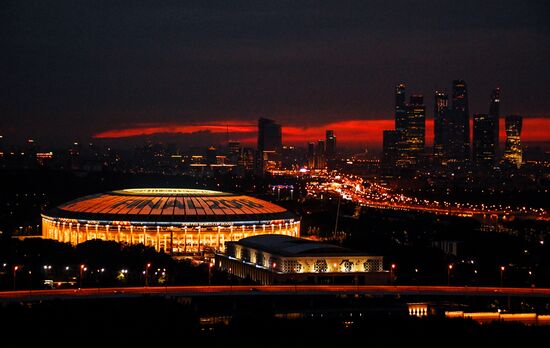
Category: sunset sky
[349,132]
[79,70]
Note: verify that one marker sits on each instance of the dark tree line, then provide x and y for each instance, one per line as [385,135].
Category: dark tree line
[42,263]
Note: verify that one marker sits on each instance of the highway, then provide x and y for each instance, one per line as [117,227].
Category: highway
[226,290]
[372,195]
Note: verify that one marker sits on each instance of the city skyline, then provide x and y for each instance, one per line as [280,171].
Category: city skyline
[351,133]
[323,173]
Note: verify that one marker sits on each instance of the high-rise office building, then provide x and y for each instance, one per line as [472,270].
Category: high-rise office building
[269,142]
[484,149]
[311,155]
[233,151]
[494,113]
[410,126]
[400,108]
[400,125]
[320,158]
[390,141]
[462,117]
[440,112]
[413,136]
[330,140]
[453,131]
[513,152]
[269,135]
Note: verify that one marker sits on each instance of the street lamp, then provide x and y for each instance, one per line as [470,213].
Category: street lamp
[210,272]
[392,268]
[502,268]
[82,269]
[147,274]
[99,277]
[15,268]
[449,269]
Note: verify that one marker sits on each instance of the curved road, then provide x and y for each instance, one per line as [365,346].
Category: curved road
[382,198]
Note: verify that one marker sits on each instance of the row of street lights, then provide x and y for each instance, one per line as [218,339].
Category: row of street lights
[82,269]
[393,267]
[450,267]
[502,269]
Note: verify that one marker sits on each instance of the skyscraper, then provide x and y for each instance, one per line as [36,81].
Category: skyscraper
[400,125]
[269,135]
[494,113]
[513,152]
[415,130]
[311,155]
[330,144]
[320,159]
[453,145]
[269,142]
[484,149]
[410,126]
[389,145]
[400,108]
[440,112]
[462,116]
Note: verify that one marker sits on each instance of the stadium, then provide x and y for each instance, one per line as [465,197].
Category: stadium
[172,220]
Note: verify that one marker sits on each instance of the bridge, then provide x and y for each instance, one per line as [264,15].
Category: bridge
[273,290]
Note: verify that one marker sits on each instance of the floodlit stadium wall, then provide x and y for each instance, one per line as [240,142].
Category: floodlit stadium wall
[176,238]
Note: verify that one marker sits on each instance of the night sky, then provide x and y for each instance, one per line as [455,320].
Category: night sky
[73,70]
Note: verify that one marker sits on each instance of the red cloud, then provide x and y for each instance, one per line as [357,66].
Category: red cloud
[149,129]
[353,132]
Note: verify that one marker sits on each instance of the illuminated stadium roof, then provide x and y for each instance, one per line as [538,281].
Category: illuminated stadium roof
[170,206]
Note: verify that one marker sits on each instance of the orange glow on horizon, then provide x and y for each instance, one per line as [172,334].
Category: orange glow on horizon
[145,129]
[352,132]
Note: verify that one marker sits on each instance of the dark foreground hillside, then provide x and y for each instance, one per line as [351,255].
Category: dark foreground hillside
[156,321]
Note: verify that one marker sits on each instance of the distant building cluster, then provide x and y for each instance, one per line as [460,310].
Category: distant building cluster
[320,153]
[272,155]
[404,146]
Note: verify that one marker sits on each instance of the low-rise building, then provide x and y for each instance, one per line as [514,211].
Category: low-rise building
[279,259]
